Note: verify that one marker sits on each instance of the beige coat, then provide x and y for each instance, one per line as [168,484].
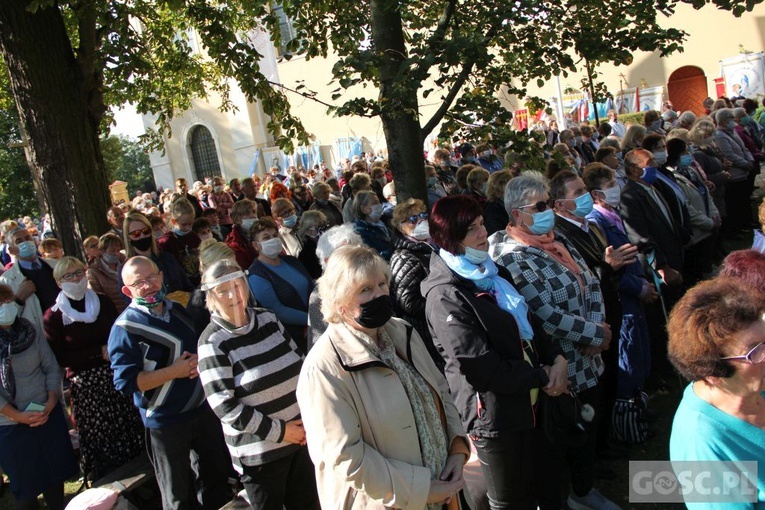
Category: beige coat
[360,426]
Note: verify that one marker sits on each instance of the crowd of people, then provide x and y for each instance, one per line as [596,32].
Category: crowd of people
[336,347]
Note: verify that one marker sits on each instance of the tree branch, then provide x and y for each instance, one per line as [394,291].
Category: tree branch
[467,69]
[313,97]
[438,37]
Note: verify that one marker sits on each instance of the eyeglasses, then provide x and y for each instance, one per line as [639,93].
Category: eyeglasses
[149,280]
[540,206]
[68,277]
[416,218]
[753,357]
[135,234]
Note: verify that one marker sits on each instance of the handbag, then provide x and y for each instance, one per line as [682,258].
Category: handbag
[628,423]
[564,419]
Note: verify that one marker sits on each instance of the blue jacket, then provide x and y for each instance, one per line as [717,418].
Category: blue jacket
[375,235]
[140,341]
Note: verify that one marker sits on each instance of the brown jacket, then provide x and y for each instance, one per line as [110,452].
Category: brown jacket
[102,282]
[359,423]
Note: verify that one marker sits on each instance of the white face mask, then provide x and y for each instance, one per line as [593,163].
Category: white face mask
[271,248]
[247,224]
[75,290]
[612,196]
[422,231]
[205,237]
[8,313]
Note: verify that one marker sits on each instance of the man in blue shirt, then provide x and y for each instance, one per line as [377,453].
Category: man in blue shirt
[152,348]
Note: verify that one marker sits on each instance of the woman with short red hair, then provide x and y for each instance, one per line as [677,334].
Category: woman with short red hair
[716,334]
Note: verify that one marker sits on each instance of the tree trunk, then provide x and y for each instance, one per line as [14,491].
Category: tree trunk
[398,98]
[54,110]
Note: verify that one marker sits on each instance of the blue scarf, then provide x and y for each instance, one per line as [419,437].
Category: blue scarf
[486,278]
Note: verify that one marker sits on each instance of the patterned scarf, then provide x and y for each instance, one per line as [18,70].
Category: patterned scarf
[555,249]
[13,340]
[430,430]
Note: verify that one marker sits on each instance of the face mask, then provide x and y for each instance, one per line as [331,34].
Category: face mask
[486,154]
[686,160]
[612,196]
[660,157]
[110,259]
[141,244]
[247,224]
[475,256]
[322,201]
[578,139]
[376,213]
[583,205]
[431,182]
[543,222]
[8,313]
[731,124]
[205,237]
[271,248]
[571,142]
[746,119]
[422,231]
[484,187]
[393,201]
[157,234]
[649,175]
[154,300]
[75,290]
[290,221]
[27,249]
[375,313]
[179,232]
[382,181]
[218,189]
[709,140]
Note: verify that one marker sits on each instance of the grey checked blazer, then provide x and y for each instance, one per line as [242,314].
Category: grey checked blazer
[555,297]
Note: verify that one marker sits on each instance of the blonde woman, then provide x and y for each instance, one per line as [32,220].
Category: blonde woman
[381,427]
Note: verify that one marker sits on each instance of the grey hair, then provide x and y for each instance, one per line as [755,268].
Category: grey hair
[723,115]
[310,219]
[611,142]
[687,118]
[11,232]
[520,189]
[361,199]
[333,239]
[738,113]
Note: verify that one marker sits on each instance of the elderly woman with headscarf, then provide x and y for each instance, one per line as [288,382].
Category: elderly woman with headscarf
[249,367]
[77,328]
[565,296]
[716,336]
[742,171]
[35,449]
[380,424]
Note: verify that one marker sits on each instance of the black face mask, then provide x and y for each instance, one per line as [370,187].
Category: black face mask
[375,313]
[141,244]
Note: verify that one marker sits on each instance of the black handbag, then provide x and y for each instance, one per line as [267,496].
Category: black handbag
[564,419]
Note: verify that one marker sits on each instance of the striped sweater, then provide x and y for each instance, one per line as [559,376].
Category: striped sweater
[249,376]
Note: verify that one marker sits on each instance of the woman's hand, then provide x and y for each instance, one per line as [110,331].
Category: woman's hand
[32,418]
[294,432]
[558,378]
[442,491]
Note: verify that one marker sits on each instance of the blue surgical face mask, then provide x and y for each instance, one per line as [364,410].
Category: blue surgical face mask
[180,232]
[583,205]
[475,256]
[290,221]
[543,222]
[650,174]
[431,181]
[27,249]
[686,160]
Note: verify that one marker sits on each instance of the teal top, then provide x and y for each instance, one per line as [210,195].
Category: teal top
[701,431]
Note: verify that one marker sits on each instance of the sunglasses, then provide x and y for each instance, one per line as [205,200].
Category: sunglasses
[416,218]
[135,234]
[753,357]
[540,206]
